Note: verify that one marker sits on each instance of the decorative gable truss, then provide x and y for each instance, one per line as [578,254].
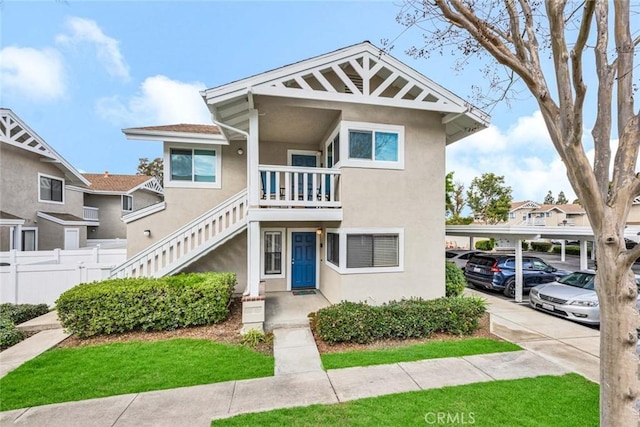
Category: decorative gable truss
[14,132]
[152,185]
[359,74]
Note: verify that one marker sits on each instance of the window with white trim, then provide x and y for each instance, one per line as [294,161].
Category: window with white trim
[272,252]
[127,203]
[365,250]
[333,248]
[191,165]
[372,145]
[51,189]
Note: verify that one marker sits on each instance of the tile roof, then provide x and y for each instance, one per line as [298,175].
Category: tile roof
[184,127]
[568,208]
[108,182]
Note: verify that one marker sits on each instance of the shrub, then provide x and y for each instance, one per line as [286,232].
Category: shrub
[485,245]
[570,250]
[121,305]
[525,245]
[454,280]
[541,246]
[9,334]
[20,313]
[413,318]
[253,338]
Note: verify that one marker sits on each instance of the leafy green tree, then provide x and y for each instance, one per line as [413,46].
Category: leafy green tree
[489,198]
[548,199]
[562,199]
[449,189]
[153,168]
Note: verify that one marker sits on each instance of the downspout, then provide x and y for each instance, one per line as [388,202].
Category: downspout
[247,290]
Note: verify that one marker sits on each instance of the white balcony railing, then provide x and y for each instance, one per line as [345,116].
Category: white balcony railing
[90,214]
[290,186]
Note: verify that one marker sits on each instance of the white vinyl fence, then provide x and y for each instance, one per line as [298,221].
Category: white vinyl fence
[41,276]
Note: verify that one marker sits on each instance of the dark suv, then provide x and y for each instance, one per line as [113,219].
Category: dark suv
[498,272]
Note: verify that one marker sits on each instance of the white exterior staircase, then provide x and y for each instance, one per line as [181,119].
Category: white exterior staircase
[189,243]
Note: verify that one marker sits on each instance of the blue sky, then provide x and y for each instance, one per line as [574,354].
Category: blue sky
[79,72]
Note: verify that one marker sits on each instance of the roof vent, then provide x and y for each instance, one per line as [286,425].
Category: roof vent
[106,174]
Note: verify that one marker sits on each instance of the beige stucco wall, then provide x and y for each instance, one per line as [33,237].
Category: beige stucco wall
[185,204]
[19,187]
[111,225]
[230,257]
[412,199]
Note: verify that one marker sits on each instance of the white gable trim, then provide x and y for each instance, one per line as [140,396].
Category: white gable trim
[358,74]
[14,131]
[141,213]
[179,137]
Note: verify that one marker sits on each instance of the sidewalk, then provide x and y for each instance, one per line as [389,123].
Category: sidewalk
[553,346]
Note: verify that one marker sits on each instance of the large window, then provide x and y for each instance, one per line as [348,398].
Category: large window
[127,203]
[190,165]
[370,145]
[51,189]
[372,250]
[272,252]
[365,250]
[193,165]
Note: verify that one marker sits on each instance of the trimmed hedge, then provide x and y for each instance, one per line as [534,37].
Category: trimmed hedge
[122,305]
[9,334]
[413,318]
[486,245]
[20,313]
[541,246]
[570,250]
[454,280]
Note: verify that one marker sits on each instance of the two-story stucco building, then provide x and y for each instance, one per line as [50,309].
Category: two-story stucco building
[325,174]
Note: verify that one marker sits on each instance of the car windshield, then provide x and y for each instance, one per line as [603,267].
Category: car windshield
[579,280]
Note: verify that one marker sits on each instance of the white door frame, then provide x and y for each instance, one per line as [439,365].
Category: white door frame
[289,248]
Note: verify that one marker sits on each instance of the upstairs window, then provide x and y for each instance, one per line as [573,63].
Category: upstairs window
[189,166]
[51,189]
[127,203]
[372,145]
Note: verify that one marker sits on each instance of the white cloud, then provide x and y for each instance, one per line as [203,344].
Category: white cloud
[160,101]
[37,74]
[523,154]
[107,48]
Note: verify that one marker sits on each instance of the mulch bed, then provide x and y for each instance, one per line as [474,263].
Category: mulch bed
[229,332]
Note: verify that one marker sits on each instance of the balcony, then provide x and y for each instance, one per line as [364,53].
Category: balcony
[90,214]
[283,188]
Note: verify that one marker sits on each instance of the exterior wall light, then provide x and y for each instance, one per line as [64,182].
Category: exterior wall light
[147,233]
[319,231]
[240,151]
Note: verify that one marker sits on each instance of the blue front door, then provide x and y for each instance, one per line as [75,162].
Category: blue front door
[303,262]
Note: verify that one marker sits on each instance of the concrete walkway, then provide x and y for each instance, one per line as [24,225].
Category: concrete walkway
[50,334]
[553,347]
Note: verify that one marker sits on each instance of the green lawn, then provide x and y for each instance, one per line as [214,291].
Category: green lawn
[62,375]
[430,350]
[567,401]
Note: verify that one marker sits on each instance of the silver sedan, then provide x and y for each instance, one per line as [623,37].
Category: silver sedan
[573,297]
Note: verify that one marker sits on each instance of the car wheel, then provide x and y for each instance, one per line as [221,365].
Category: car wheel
[510,289]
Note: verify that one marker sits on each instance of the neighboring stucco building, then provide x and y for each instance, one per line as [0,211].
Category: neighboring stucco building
[41,194]
[325,174]
[111,196]
[532,213]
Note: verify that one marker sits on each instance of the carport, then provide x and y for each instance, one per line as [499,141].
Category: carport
[519,233]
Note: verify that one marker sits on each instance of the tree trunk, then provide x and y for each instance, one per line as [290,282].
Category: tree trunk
[619,318]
